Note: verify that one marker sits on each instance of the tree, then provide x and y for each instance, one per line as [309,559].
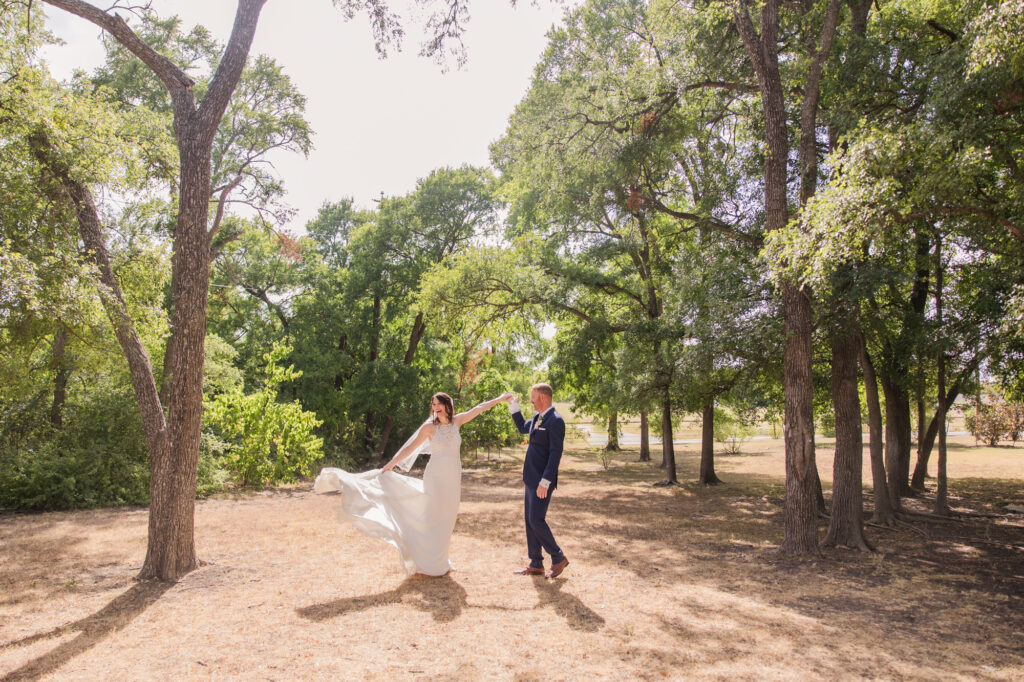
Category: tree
[171,418]
[811,38]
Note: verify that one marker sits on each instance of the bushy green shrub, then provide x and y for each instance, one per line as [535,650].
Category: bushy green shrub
[267,442]
[97,459]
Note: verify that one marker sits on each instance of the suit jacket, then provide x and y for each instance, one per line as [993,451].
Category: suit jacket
[545,449]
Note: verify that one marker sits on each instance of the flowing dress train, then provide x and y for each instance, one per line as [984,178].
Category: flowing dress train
[415,516]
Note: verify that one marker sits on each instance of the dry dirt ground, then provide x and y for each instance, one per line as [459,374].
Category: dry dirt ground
[664,582]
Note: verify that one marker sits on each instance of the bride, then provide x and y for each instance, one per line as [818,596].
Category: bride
[416,516]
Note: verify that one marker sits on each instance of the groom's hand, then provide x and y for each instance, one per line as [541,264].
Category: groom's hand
[542,492]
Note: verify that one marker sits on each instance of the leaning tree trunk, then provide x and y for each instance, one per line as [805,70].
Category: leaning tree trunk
[613,432]
[645,438]
[883,505]
[846,526]
[173,443]
[924,452]
[707,445]
[90,230]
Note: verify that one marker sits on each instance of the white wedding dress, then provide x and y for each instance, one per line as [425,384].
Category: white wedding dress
[416,516]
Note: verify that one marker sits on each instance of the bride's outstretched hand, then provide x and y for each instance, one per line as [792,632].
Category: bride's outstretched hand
[387,467]
[506,397]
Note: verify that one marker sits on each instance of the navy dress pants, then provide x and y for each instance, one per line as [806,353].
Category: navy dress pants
[538,534]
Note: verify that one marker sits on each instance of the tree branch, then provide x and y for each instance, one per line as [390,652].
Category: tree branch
[212,108]
[177,82]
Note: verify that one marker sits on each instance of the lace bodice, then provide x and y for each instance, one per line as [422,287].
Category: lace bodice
[446,440]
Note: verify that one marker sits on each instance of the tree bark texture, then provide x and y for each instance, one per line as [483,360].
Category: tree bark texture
[883,505]
[941,485]
[897,437]
[707,445]
[846,526]
[645,438]
[613,432]
[762,48]
[174,449]
[802,484]
[667,447]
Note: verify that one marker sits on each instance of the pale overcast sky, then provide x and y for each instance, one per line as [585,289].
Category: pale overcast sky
[379,124]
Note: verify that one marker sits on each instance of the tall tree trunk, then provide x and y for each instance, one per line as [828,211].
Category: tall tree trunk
[941,487]
[802,483]
[897,437]
[419,328]
[613,432]
[171,547]
[846,526]
[707,444]
[884,513]
[645,438]
[762,49]
[667,447]
[173,443]
[922,421]
[61,374]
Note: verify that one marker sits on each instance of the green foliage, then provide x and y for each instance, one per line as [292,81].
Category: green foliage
[493,428]
[996,420]
[731,429]
[98,459]
[268,442]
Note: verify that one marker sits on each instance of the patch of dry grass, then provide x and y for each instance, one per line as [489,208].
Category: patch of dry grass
[675,582]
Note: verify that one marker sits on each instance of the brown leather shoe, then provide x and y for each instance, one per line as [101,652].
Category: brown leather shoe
[556,569]
[529,570]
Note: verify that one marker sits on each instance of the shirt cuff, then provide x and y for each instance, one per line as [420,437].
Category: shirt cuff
[545,483]
[513,406]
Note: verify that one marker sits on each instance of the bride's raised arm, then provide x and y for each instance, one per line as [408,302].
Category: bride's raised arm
[463,417]
[425,431]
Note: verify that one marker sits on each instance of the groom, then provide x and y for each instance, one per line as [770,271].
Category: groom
[540,474]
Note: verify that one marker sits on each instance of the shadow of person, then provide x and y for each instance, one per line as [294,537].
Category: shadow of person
[443,598]
[91,630]
[578,616]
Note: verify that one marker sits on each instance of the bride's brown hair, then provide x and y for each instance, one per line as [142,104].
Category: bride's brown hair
[449,407]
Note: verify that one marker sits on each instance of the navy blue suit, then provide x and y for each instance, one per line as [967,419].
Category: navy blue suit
[543,454]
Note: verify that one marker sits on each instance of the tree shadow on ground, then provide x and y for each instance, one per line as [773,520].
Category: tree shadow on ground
[91,630]
[679,532]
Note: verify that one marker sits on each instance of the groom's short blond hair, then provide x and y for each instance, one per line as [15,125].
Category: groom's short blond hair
[543,388]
